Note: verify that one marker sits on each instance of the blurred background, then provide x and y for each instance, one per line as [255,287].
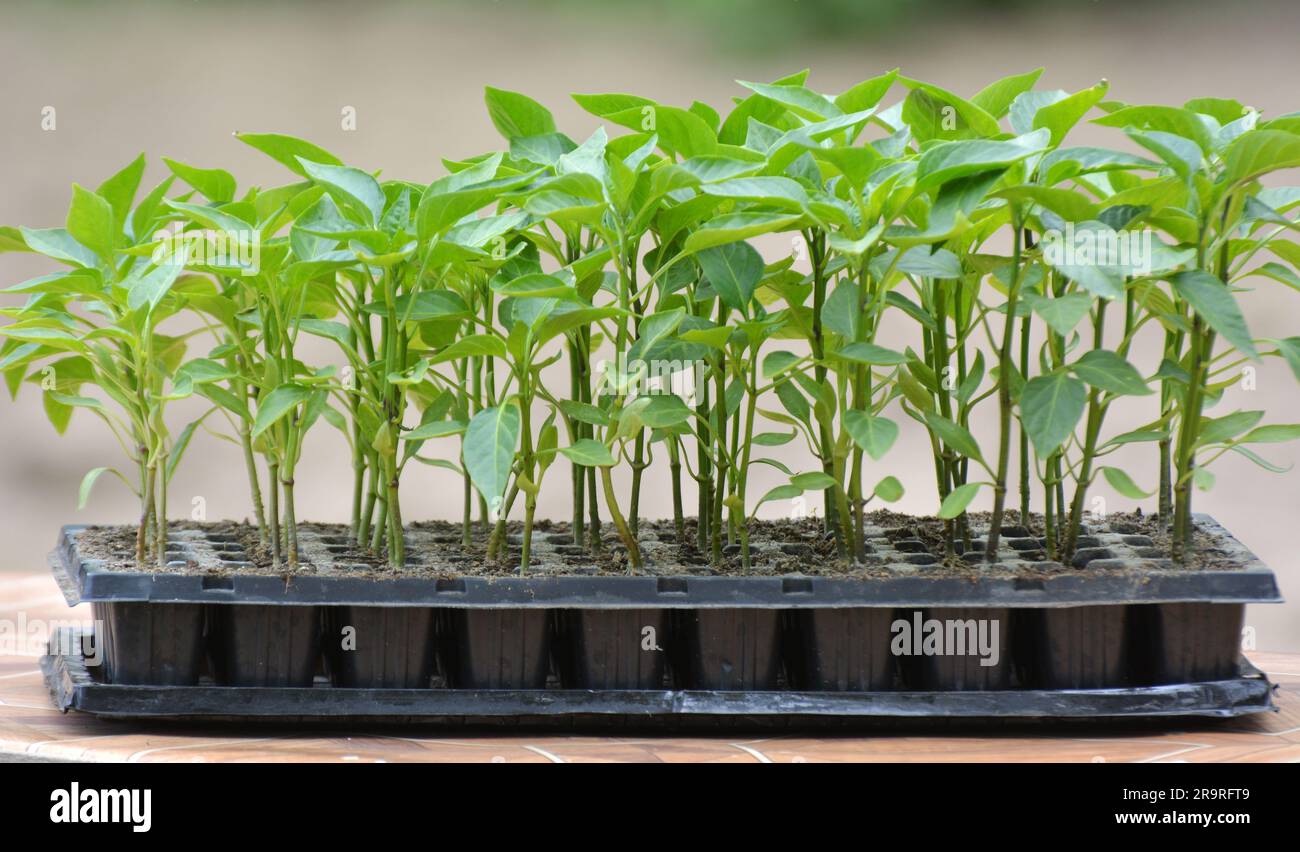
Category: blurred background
[177,78]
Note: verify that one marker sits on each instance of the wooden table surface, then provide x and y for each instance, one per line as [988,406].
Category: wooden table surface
[31,729]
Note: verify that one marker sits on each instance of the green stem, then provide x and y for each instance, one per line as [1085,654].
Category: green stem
[624,532]
[1004,401]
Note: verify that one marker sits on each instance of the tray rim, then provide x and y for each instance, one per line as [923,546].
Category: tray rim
[81,580]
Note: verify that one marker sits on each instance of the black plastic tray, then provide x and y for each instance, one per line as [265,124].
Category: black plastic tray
[74,687]
[1122,572]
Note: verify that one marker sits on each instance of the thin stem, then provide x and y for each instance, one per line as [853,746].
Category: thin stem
[1004,400]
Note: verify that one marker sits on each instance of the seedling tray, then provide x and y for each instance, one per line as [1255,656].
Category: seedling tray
[1131,636]
[74,686]
[1122,569]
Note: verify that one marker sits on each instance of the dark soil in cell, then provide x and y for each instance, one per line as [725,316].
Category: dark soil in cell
[895,544]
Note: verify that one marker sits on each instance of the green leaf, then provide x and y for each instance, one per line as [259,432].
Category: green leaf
[889,489]
[996,98]
[1061,313]
[813,481]
[780,492]
[434,429]
[589,453]
[1122,483]
[473,346]
[489,449]
[1259,152]
[278,403]
[801,101]
[90,222]
[1274,433]
[515,115]
[149,288]
[584,412]
[1211,298]
[770,191]
[1107,371]
[1219,429]
[734,270]
[1259,460]
[955,436]
[1289,349]
[958,499]
[119,191]
[925,107]
[289,151]
[738,226]
[870,353]
[772,439]
[947,161]
[1060,116]
[1050,407]
[665,411]
[354,188]
[58,244]
[875,435]
[180,444]
[216,185]
[840,314]
[89,480]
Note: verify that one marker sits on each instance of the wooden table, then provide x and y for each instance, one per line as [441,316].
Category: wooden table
[30,728]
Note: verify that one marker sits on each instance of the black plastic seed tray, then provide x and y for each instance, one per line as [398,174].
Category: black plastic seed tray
[1121,569]
[1129,635]
[75,686]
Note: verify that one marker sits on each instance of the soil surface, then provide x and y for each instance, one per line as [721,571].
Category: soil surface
[894,544]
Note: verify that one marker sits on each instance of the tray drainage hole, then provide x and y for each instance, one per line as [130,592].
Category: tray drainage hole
[450,585]
[671,585]
[796,586]
[218,584]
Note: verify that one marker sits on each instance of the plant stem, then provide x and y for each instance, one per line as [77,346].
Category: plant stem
[146,510]
[1188,434]
[624,533]
[675,465]
[1096,413]
[1004,399]
[638,467]
[274,514]
[1026,463]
